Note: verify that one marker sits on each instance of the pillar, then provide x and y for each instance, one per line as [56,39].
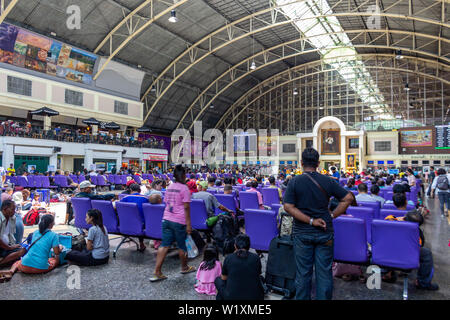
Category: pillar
[47,123]
[8,155]
[88,159]
[362,148]
[54,161]
[343,151]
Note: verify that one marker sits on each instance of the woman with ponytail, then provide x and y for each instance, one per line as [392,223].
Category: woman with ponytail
[37,260]
[97,243]
[241,274]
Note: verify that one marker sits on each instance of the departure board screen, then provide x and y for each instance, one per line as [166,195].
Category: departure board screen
[443,137]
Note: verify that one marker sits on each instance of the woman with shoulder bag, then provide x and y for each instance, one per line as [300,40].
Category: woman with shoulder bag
[37,260]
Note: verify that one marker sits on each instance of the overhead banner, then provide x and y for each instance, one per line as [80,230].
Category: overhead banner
[25,49]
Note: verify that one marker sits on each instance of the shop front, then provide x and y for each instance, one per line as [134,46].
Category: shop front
[155,161]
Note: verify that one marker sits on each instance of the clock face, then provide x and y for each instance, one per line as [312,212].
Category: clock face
[329,140]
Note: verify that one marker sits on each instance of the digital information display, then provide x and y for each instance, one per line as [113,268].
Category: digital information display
[443,137]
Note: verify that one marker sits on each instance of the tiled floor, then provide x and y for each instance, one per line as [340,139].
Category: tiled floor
[127,276]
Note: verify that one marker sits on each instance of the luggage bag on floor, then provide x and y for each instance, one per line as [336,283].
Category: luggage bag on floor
[281,269]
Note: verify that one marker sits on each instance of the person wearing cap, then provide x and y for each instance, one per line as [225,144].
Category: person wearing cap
[129,183]
[86,192]
[210,200]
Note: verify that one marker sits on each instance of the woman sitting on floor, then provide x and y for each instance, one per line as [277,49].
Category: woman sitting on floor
[241,271]
[97,243]
[37,260]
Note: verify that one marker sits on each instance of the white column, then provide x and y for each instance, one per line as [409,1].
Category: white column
[8,155]
[343,151]
[362,148]
[54,161]
[47,123]
[88,158]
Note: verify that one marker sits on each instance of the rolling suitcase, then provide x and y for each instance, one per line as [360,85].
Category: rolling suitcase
[281,268]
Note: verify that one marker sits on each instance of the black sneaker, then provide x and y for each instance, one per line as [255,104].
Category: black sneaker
[430,287]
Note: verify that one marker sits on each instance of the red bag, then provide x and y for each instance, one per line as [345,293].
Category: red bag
[32,217]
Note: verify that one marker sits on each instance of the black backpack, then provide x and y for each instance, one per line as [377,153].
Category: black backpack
[442,182]
[224,232]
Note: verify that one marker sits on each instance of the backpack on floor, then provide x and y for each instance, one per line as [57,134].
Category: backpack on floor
[224,232]
[281,268]
[442,182]
[32,217]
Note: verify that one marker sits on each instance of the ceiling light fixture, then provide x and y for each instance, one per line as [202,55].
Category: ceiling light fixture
[173,16]
[153,89]
[253,66]
[295,92]
[211,106]
[399,55]
[407,87]
[53,34]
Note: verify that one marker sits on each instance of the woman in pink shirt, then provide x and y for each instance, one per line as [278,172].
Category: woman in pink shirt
[176,223]
[254,185]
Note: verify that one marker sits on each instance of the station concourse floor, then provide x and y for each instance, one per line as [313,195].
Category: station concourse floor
[127,276]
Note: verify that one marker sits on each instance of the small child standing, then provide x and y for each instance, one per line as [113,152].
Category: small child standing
[208,271]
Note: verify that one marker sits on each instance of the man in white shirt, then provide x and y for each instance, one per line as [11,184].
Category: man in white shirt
[375,191]
[362,193]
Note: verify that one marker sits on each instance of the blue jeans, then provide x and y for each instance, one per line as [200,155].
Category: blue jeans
[426,269]
[444,197]
[314,250]
[19,229]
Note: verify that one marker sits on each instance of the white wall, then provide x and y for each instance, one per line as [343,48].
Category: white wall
[10,146]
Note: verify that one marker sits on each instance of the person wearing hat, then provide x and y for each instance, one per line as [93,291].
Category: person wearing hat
[86,192]
[210,200]
[128,185]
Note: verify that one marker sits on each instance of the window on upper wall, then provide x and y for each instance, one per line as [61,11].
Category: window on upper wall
[405,162]
[289,148]
[382,145]
[309,143]
[353,143]
[447,162]
[121,107]
[438,162]
[425,162]
[74,97]
[19,86]
[415,162]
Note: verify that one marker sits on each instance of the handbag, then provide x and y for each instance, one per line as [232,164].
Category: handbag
[78,242]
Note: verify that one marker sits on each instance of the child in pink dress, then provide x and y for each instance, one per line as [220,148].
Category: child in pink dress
[208,271]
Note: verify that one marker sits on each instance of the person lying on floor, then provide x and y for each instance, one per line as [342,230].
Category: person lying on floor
[426,268]
[37,260]
[9,250]
[97,244]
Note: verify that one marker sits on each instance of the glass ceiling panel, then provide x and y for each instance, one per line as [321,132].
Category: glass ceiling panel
[325,33]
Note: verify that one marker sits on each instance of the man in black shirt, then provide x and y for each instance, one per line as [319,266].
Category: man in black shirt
[307,200]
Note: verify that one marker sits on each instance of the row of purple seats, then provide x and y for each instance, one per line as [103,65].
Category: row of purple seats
[131,224]
[395,245]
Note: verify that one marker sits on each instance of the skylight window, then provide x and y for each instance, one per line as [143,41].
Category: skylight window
[325,33]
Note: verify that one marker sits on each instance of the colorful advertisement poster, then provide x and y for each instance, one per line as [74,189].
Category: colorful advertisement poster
[416,138]
[25,49]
